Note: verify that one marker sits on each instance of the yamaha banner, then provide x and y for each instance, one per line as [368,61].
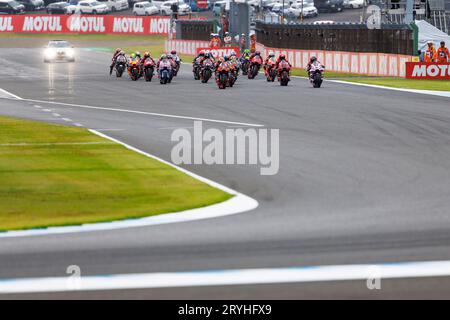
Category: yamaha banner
[92,24]
[422,70]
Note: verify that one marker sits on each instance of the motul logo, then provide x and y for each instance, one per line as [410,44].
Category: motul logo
[421,70]
[220,52]
[159,26]
[6,24]
[42,24]
[128,25]
[86,24]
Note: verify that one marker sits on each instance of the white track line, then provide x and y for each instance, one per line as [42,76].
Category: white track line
[26,144]
[239,203]
[7,94]
[229,277]
[139,112]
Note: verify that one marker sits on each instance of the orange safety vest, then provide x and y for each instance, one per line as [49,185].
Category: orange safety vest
[430,55]
[443,55]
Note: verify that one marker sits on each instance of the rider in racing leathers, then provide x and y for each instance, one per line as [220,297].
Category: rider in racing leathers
[270,57]
[114,58]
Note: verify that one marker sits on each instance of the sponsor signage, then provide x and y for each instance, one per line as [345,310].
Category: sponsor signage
[84,24]
[220,52]
[421,70]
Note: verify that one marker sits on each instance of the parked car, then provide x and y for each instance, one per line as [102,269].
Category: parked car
[354,4]
[87,6]
[11,7]
[115,5]
[183,8]
[144,9]
[194,7]
[59,50]
[278,8]
[329,5]
[57,8]
[309,10]
[32,5]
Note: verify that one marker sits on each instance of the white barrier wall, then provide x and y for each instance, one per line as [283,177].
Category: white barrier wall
[373,64]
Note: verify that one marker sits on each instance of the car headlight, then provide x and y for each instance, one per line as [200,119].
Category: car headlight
[49,53]
[70,52]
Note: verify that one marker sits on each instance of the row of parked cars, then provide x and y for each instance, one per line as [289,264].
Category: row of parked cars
[140,8]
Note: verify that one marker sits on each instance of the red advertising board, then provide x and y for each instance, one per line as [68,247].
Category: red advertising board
[422,70]
[202,4]
[84,24]
[220,52]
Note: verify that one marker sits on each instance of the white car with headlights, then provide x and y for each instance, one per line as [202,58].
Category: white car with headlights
[166,8]
[309,10]
[87,6]
[355,4]
[115,5]
[59,50]
[145,9]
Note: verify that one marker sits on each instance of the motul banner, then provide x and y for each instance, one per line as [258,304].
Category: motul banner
[421,70]
[220,52]
[84,24]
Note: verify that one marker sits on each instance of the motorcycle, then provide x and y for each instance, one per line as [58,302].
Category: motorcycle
[232,76]
[149,67]
[206,70]
[255,65]
[222,74]
[134,69]
[121,65]
[176,67]
[244,65]
[165,72]
[283,73]
[316,74]
[196,68]
[271,73]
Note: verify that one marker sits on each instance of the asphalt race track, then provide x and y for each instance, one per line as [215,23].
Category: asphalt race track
[364,178]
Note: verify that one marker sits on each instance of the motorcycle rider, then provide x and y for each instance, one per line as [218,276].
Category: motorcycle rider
[245,55]
[175,56]
[270,57]
[311,61]
[146,56]
[114,58]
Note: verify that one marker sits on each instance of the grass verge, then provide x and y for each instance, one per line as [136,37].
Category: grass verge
[56,175]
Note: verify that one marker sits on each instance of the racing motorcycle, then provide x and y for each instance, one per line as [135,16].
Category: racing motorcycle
[176,66]
[245,63]
[121,65]
[206,70]
[134,69]
[255,65]
[196,68]
[316,74]
[233,75]
[149,68]
[271,73]
[165,72]
[284,70]
[222,75]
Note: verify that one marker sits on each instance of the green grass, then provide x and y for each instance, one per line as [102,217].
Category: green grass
[384,81]
[57,185]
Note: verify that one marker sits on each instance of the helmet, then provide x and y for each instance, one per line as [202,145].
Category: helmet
[233,54]
[282,57]
[169,56]
[173,52]
[122,53]
[246,51]
[227,33]
[271,54]
[257,53]
[163,56]
[313,59]
[146,54]
[207,55]
[225,58]
[138,54]
[202,53]
[133,55]
[118,50]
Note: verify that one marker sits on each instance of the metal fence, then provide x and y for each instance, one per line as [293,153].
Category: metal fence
[396,39]
[194,30]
